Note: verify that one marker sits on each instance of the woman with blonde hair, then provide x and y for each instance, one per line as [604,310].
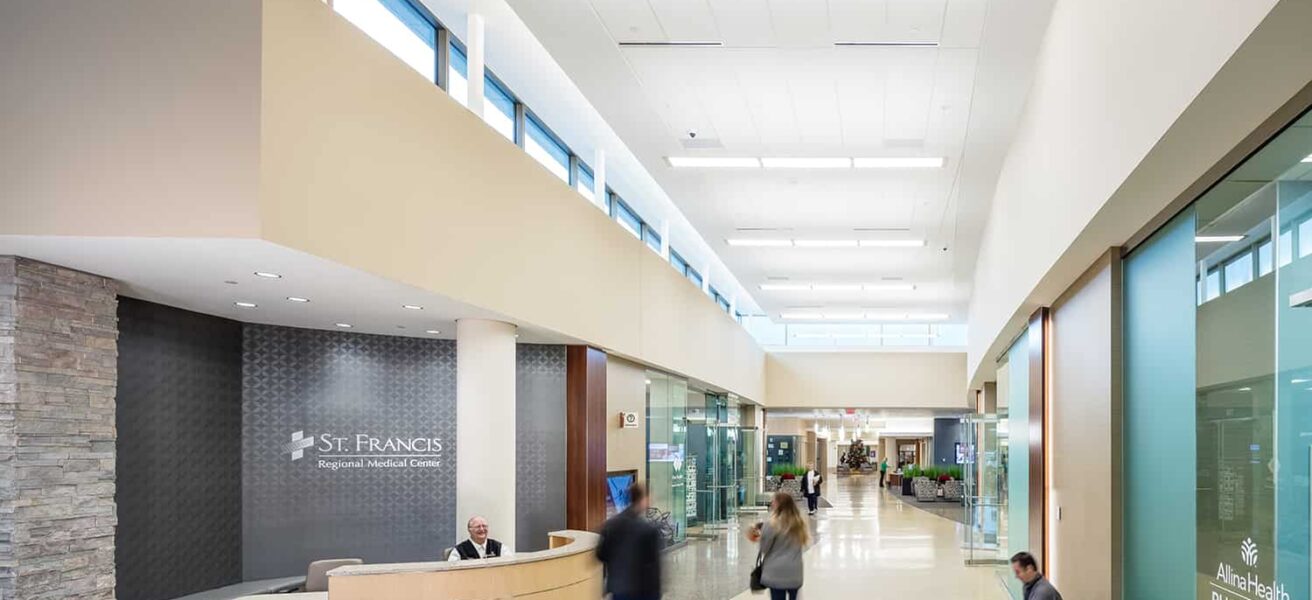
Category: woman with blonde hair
[783,537]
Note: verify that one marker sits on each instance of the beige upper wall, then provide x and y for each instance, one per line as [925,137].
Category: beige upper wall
[867,379]
[130,118]
[1132,102]
[406,183]
[1085,436]
[280,120]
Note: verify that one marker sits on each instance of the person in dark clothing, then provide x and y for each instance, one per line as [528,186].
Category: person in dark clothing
[811,481]
[479,545]
[1036,586]
[630,550]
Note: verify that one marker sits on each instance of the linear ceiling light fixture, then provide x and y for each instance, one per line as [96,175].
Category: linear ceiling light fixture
[892,243]
[826,243]
[759,243]
[1217,239]
[889,44]
[673,44]
[892,162]
[869,316]
[837,287]
[806,163]
[822,243]
[802,162]
[1307,159]
[715,162]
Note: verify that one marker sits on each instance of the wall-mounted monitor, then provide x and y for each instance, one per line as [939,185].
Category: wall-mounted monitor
[617,490]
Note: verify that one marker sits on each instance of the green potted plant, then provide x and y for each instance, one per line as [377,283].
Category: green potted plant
[909,474]
[926,486]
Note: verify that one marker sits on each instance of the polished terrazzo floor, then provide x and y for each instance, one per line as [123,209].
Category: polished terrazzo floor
[869,545]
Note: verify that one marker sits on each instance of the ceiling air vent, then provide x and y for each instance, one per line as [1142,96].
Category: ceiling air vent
[700,143]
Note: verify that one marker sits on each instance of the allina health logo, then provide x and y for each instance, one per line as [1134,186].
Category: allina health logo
[1230,585]
[365,451]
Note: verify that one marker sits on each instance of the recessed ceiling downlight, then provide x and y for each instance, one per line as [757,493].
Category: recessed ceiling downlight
[344,325]
[433,331]
[298,299]
[267,275]
[412,307]
[245,304]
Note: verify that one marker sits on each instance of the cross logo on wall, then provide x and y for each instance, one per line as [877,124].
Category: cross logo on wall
[298,445]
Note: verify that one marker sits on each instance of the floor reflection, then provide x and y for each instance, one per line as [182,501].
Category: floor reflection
[867,545]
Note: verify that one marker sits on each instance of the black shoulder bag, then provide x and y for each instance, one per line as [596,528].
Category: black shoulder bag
[755,583]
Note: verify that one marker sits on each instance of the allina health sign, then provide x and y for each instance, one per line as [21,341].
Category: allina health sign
[1230,584]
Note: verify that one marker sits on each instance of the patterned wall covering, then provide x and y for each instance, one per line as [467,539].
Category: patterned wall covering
[344,385]
[179,452]
[540,444]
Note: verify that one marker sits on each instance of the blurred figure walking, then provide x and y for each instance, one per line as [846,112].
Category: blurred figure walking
[630,551]
[782,537]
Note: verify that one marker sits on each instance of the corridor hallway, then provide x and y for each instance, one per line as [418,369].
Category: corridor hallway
[870,545]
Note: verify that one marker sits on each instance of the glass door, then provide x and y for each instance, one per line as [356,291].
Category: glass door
[982,466]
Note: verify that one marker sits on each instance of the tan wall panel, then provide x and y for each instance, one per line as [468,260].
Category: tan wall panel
[867,379]
[544,579]
[1084,421]
[366,163]
[130,118]
[626,391]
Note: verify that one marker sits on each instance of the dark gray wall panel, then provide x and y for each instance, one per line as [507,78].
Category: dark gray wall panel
[948,432]
[179,452]
[540,444]
[343,384]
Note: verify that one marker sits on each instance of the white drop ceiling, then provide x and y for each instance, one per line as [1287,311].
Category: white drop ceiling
[779,86]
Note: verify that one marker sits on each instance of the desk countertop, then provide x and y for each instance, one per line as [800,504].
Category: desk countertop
[580,541]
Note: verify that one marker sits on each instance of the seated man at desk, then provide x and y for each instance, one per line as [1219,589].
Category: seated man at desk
[478,545]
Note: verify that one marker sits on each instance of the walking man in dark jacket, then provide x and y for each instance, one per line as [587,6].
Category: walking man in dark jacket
[630,549]
[1036,586]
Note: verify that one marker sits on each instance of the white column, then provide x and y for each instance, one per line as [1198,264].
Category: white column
[474,53]
[485,426]
[665,239]
[599,177]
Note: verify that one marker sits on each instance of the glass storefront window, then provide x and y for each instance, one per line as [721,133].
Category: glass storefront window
[667,398]
[1254,361]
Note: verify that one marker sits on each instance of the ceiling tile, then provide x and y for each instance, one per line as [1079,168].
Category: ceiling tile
[801,22]
[629,20]
[963,25]
[744,23]
[686,20]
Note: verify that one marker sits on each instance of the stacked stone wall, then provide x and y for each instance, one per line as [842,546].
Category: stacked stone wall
[58,372]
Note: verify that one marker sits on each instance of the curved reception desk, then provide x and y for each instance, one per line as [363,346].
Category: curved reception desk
[568,570]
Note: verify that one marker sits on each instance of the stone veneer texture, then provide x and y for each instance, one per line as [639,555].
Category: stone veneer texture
[58,370]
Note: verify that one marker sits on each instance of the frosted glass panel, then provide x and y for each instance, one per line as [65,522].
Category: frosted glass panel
[1017,497]
[1159,428]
